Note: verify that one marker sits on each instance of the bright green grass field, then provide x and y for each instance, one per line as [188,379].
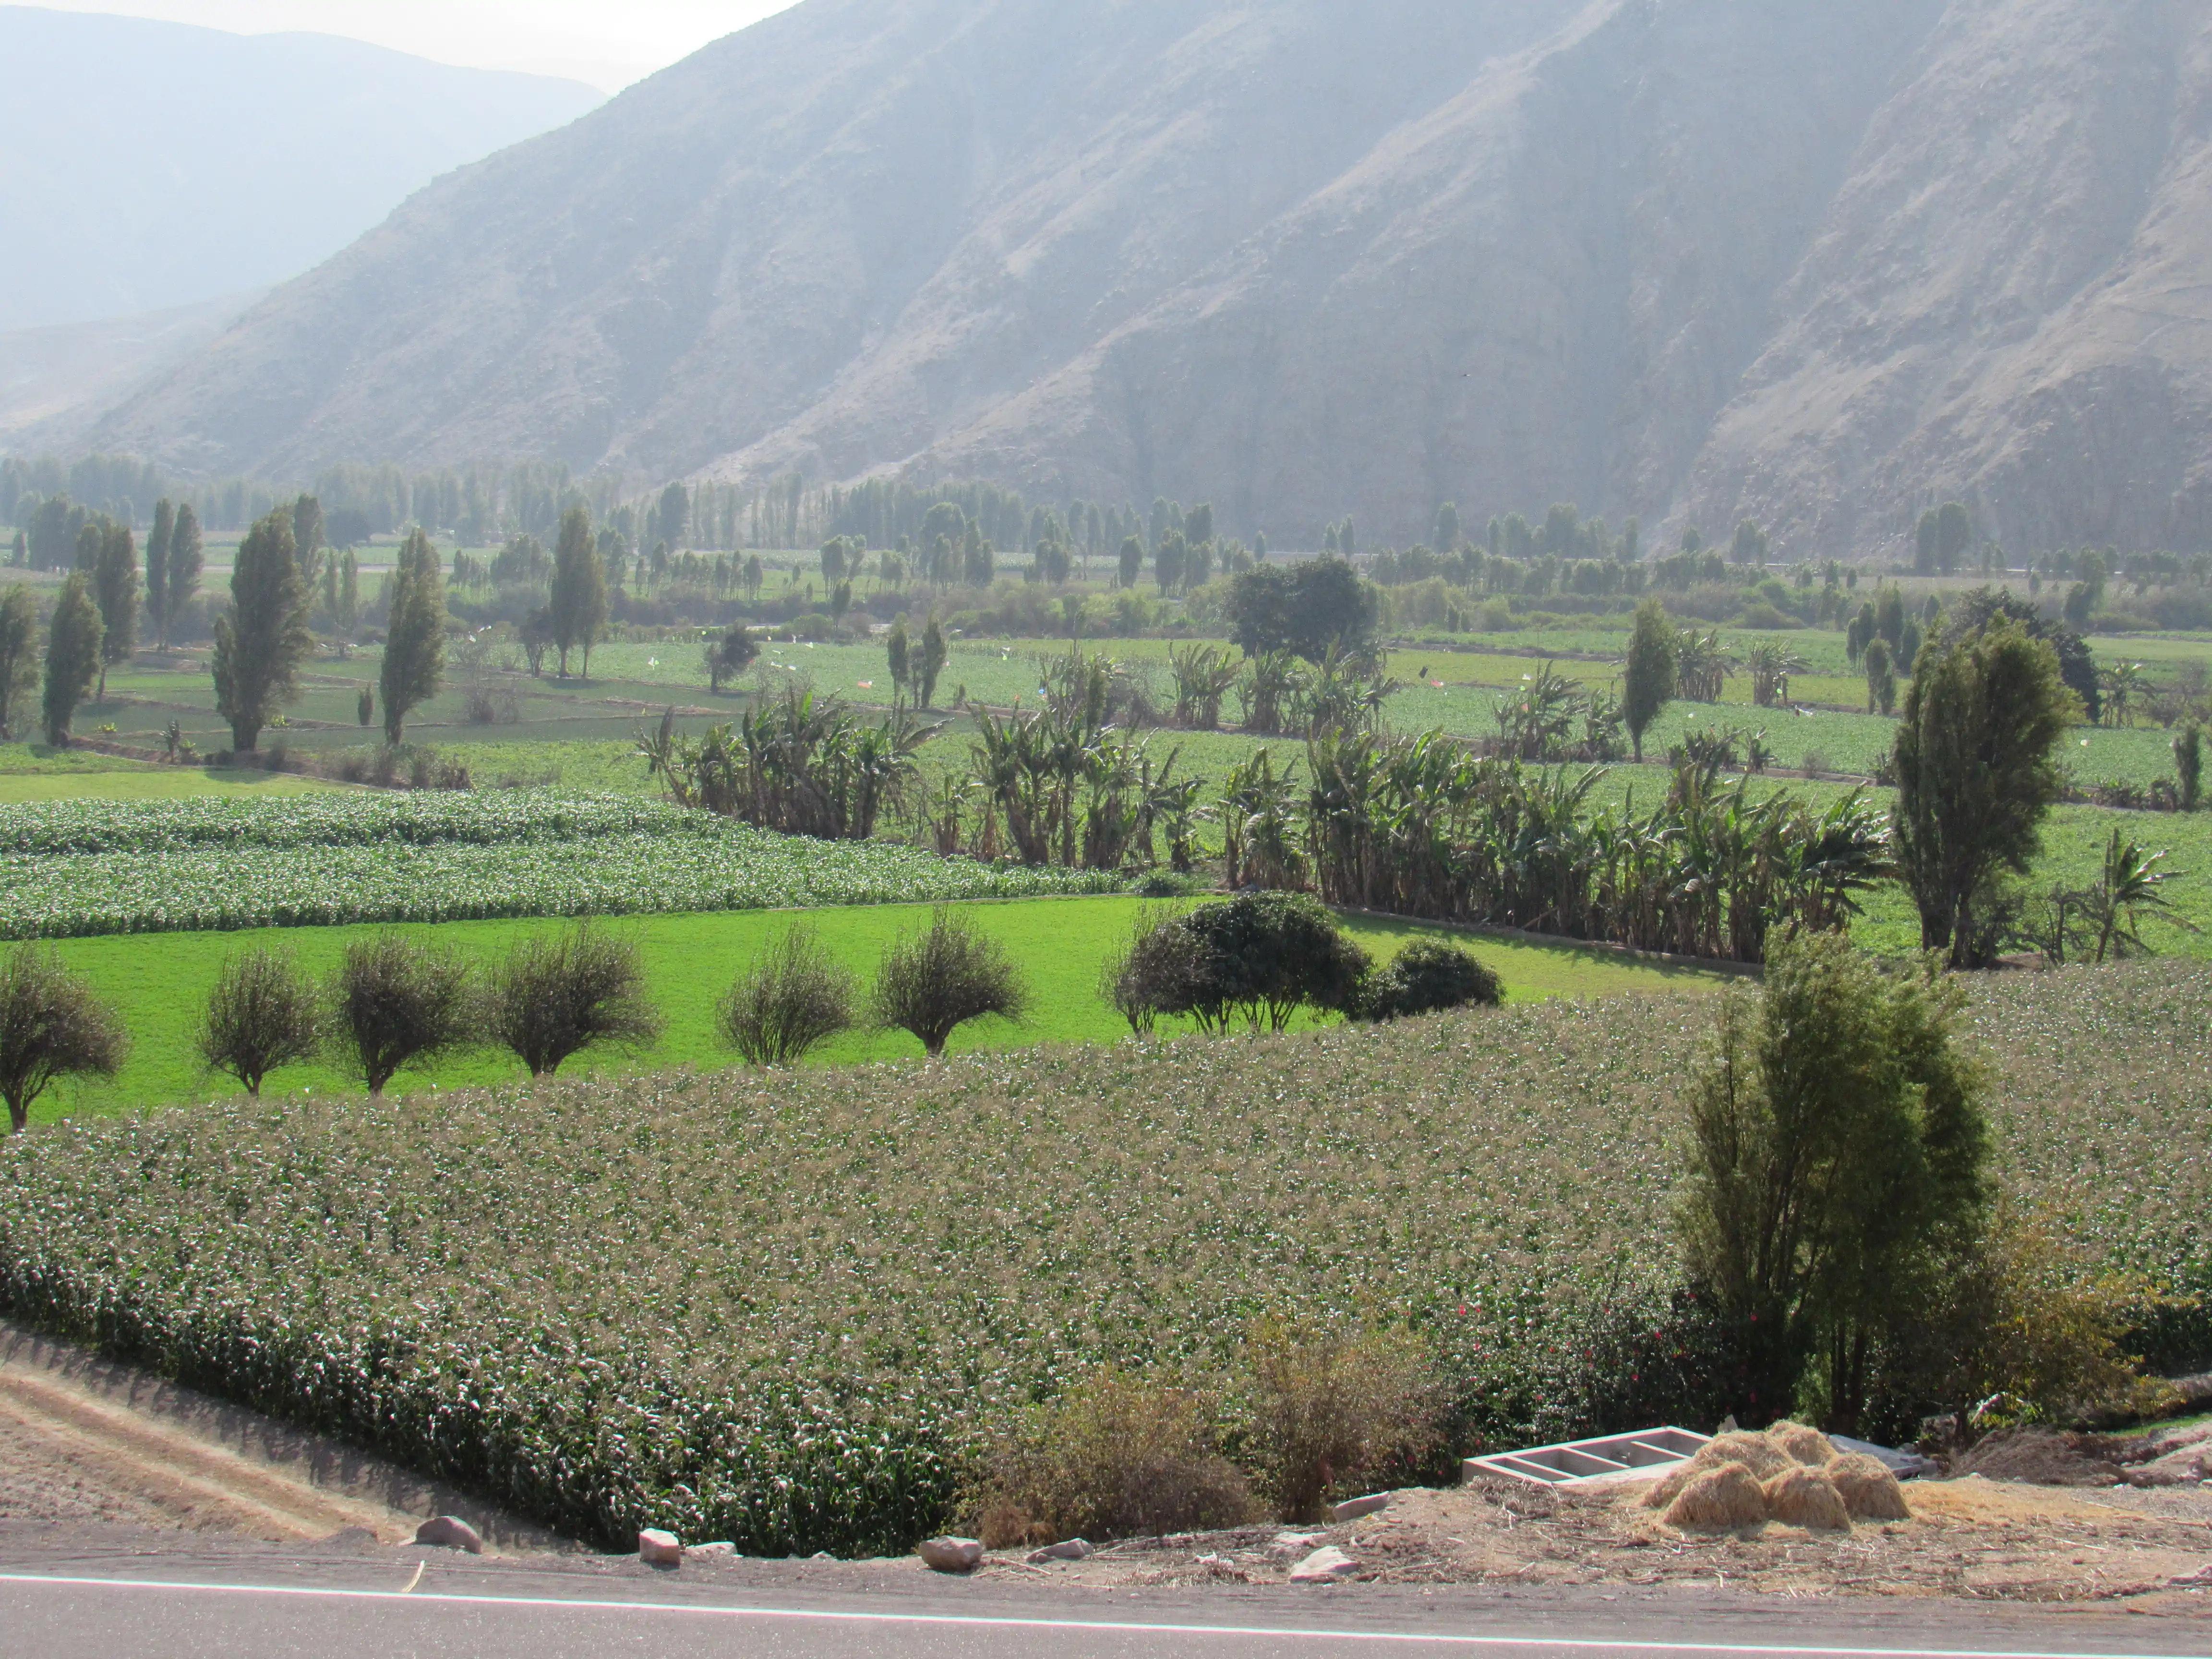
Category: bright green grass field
[152,783]
[159,985]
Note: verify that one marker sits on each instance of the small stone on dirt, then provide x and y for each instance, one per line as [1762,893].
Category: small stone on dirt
[450,1532]
[1352,1508]
[721,1548]
[951,1554]
[657,1548]
[1323,1566]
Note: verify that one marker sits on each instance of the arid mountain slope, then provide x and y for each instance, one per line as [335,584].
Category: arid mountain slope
[1818,263]
[147,166]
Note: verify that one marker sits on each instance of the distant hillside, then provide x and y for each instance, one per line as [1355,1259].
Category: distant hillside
[145,166]
[56,381]
[1687,259]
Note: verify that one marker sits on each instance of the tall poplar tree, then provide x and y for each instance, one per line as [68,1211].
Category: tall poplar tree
[1647,680]
[260,643]
[158,543]
[415,642]
[579,598]
[186,559]
[115,587]
[1978,770]
[72,656]
[19,661]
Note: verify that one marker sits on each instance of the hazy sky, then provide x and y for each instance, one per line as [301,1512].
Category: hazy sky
[609,43]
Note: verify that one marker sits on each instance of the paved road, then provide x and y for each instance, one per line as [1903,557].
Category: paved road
[371,1610]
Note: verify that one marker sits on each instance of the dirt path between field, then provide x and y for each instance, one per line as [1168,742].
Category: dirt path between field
[87,1440]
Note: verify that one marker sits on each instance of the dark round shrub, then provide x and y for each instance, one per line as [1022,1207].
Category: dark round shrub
[1264,956]
[933,981]
[1427,977]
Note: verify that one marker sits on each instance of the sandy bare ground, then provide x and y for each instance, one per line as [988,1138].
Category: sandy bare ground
[91,1446]
[1974,1538]
[89,1440]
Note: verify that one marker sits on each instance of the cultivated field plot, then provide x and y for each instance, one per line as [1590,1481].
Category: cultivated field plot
[159,988]
[776,1308]
[69,869]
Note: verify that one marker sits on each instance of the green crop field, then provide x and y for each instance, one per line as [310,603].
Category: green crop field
[159,987]
[779,1309]
[90,867]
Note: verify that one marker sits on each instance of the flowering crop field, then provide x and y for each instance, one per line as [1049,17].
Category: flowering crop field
[75,868]
[780,1310]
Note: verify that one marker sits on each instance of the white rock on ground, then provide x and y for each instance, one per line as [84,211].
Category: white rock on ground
[1352,1508]
[450,1532]
[1323,1566]
[950,1554]
[659,1549]
[719,1548]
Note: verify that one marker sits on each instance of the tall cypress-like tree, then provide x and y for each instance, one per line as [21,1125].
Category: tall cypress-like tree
[1954,534]
[72,656]
[1978,770]
[260,643]
[115,586]
[579,589]
[186,559]
[929,662]
[415,642]
[1648,679]
[19,661]
[158,543]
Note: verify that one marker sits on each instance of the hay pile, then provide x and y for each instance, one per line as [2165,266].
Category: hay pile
[1790,1473]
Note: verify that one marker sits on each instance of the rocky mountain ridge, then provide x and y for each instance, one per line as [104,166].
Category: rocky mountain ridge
[1687,259]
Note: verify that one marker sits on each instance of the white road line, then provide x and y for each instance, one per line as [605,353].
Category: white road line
[975,1621]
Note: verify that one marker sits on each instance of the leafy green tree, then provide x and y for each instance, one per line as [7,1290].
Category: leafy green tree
[396,1001]
[159,541]
[1313,609]
[1977,765]
[1954,535]
[2076,666]
[1169,561]
[115,585]
[1889,618]
[675,514]
[929,662]
[558,995]
[1839,1153]
[977,562]
[899,651]
[187,559]
[1881,678]
[51,1026]
[1750,545]
[1265,956]
[729,656]
[2188,763]
[579,589]
[262,641]
[1427,977]
[935,981]
[1648,679]
[2126,892]
[1450,532]
[414,640]
[19,661]
[1131,561]
[262,1015]
[307,527]
[1928,544]
[72,656]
